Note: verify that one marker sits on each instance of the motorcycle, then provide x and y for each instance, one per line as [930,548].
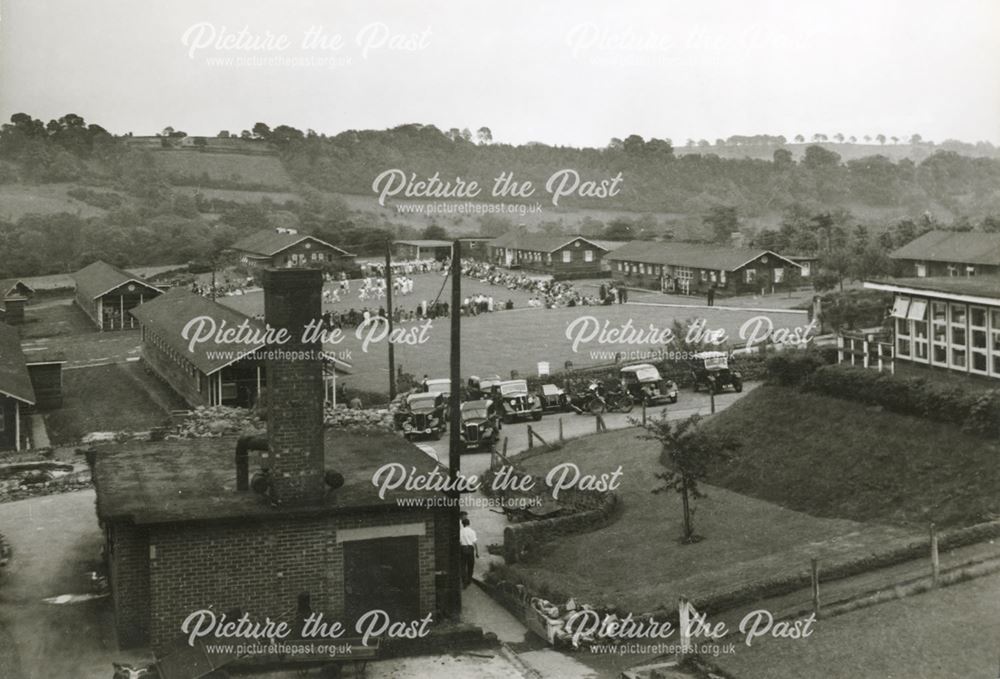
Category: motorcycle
[596,399]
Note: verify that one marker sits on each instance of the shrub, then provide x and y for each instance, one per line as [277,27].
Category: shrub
[977,413]
[789,368]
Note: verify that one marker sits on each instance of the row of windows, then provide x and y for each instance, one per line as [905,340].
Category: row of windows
[953,270]
[151,338]
[954,335]
[534,256]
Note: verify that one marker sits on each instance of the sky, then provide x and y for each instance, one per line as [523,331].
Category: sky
[560,72]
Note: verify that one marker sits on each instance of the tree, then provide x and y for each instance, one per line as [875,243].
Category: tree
[434,232]
[484,135]
[916,139]
[852,139]
[783,158]
[817,157]
[880,138]
[839,137]
[261,131]
[223,134]
[895,140]
[838,262]
[724,221]
[799,139]
[868,138]
[687,452]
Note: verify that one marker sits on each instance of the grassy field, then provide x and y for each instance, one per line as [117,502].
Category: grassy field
[834,458]
[54,320]
[637,563]
[256,170]
[500,342]
[17,200]
[113,397]
[952,633]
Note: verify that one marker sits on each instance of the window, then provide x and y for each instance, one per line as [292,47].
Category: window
[567,256]
[704,276]
[959,337]
[970,271]
[900,306]
[921,270]
[902,338]
[750,275]
[779,274]
[588,255]
[995,342]
[939,333]
[978,341]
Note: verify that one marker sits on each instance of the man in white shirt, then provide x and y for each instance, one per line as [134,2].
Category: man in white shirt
[470,551]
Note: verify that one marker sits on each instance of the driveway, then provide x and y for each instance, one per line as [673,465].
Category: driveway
[56,541]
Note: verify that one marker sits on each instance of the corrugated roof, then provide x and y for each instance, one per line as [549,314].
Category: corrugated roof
[168,314]
[695,255]
[14,379]
[538,242]
[965,247]
[100,278]
[270,242]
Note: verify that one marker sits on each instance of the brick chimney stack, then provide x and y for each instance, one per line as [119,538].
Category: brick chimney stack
[293,298]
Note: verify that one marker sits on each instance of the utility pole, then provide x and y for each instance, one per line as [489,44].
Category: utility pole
[454,431]
[388,313]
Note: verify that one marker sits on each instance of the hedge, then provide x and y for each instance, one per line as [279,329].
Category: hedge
[976,412]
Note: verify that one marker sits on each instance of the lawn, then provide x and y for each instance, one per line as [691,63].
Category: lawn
[500,342]
[55,319]
[22,199]
[950,633]
[637,563]
[834,458]
[188,166]
[116,397]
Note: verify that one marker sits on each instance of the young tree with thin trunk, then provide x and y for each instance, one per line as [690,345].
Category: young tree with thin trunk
[687,453]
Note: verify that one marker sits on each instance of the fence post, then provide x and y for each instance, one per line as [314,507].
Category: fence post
[644,412]
[531,440]
[684,622]
[505,447]
[561,439]
[815,585]
[935,557]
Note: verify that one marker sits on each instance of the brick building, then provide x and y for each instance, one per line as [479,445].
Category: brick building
[687,268]
[286,248]
[561,257]
[950,253]
[107,295]
[189,527]
[17,395]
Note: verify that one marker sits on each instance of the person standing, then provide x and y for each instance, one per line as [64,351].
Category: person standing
[470,551]
[711,295]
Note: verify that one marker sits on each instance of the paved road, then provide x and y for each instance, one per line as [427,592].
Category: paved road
[574,425]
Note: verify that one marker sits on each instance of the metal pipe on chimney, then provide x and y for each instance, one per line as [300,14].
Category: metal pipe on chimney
[243,447]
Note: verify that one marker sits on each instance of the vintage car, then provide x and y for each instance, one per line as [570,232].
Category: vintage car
[514,401]
[644,384]
[482,387]
[480,424]
[441,385]
[554,398]
[710,370]
[423,414]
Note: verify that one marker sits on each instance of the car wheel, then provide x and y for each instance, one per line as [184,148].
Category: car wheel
[738,386]
[673,399]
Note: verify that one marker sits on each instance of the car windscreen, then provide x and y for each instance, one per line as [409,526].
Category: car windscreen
[514,387]
[474,413]
[649,374]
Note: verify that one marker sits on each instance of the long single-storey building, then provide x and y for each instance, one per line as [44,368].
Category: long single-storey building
[695,267]
[946,322]
[560,256]
[17,395]
[212,373]
[287,248]
[277,526]
[950,253]
[422,249]
[107,295]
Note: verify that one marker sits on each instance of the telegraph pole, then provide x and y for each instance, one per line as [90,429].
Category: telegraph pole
[388,313]
[455,424]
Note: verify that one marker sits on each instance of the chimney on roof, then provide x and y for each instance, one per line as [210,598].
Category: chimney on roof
[293,298]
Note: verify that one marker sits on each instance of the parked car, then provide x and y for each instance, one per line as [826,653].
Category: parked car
[644,384]
[480,424]
[423,414]
[514,401]
[554,398]
[482,387]
[710,370]
[610,399]
[440,385]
